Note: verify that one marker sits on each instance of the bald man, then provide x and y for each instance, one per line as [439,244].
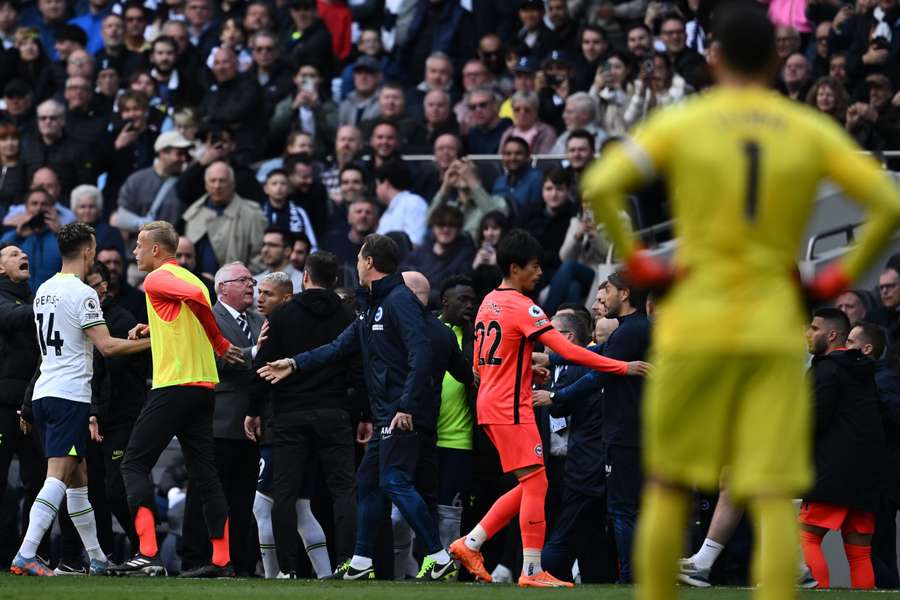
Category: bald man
[446,358]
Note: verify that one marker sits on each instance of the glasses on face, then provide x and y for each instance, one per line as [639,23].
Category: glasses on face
[49,117]
[887,287]
[478,105]
[522,109]
[243,281]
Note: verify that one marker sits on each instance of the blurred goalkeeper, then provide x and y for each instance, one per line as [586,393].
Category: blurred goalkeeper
[742,165]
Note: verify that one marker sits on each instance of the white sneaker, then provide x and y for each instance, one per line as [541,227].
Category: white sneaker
[501,574]
[805,579]
[691,574]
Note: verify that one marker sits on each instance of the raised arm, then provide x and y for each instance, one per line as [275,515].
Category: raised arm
[582,356]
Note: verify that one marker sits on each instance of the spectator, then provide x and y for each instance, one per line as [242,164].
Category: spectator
[186,256]
[450,254]
[36,236]
[338,19]
[579,153]
[819,55]
[875,125]
[258,17]
[564,26]
[32,59]
[427,175]
[640,42]
[232,35]
[272,73]
[237,458]
[404,211]
[70,39]
[520,183]
[233,100]
[133,147]
[218,145]
[485,272]
[203,31]
[439,120]
[353,184]
[87,204]
[347,145]
[368,45]
[224,226]
[555,87]
[12,172]
[795,77]
[43,178]
[461,188]
[385,143]
[856,305]
[306,192]
[685,61]
[307,40]
[491,54]
[787,41]
[593,47]
[474,76]
[48,20]
[310,110]
[277,245]
[83,121]
[612,88]
[874,43]
[827,95]
[51,147]
[173,85]
[539,136]
[580,114]
[487,126]
[279,211]
[534,37]
[656,87]
[115,55]
[361,104]
[550,225]
[889,291]
[91,22]
[135,25]
[392,107]
[837,67]
[19,106]
[300,252]
[298,142]
[438,76]
[362,218]
[849,444]
[150,194]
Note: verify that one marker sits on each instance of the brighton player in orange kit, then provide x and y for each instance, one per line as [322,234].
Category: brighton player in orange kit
[506,328]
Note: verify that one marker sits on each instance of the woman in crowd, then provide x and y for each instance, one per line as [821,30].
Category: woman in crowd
[526,125]
[12,172]
[827,95]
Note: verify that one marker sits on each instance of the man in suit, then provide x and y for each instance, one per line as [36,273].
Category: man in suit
[237,458]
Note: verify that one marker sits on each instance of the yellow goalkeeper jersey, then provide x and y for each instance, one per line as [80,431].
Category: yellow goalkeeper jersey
[742,166]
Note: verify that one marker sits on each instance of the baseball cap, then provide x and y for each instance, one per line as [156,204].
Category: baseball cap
[367,63]
[526,64]
[559,57]
[171,139]
[16,89]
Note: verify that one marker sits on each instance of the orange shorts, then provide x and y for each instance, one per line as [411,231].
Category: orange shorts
[518,445]
[832,516]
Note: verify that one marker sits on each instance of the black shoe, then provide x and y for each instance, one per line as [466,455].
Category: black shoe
[139,565]
[209,572]
[347,573]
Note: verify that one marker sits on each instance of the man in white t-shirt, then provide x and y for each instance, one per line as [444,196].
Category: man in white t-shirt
[69,324]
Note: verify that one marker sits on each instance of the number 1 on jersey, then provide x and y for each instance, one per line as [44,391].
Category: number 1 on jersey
[51,338]
[751,201]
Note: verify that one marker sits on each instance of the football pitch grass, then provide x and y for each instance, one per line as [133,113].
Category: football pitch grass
[58,588]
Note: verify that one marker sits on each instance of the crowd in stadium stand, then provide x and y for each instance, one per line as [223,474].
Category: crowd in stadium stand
[266,131]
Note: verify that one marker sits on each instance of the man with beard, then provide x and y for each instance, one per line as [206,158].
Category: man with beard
[120,291]
[362,218]
[173,86]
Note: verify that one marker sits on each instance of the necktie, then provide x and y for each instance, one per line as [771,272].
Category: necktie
[245,327]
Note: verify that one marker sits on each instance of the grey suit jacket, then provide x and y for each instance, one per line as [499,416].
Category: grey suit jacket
[233,389]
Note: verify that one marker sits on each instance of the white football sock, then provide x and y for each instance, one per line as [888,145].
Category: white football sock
[262,511]
[360,562]
[707,554]
[531,561]
[441,556]
[82,514]
[43,511]
[476,538]
[313,538]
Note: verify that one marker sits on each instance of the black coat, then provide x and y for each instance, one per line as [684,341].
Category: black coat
[309,320]
[18,344]
[119,383]
[887,380]
[70,160]
[849,435]
[446,357]
[390,334]
[586,456]
[237,104]
[456,260]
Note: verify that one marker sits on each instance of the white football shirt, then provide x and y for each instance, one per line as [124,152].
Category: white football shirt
[64,307]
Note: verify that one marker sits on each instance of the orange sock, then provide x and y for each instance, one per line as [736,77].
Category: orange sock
[862,577]
[502,512]
[145,527]
[221,555]
[815,558]
[532,521]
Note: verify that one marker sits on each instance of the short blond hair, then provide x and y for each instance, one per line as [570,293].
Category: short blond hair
[162,233]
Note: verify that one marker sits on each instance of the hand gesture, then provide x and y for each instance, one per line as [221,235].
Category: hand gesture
[639,367]
[540,375]
[276,371]
[263,334]
[253,428]
[233,356]
[541,398]
[364,432]
[139,331]
[94,428]
[24,426]
[127,136]
[402,421]
[51,219]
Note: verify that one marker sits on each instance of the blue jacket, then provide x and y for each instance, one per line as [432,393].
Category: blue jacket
[622,395]
[391,335]
[523,190]
[44,260]
[586,454]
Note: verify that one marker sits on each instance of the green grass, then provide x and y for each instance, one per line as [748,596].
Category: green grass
[72,588]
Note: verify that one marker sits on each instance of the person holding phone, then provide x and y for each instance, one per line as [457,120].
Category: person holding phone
[37,236]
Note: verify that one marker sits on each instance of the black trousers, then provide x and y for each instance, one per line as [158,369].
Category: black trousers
[32,466]
[115,443]
[580,533]
[884,543]
[299,441]
[184,412]
[237,463]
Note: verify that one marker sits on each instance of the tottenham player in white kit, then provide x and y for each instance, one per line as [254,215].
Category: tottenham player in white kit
[69,324]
